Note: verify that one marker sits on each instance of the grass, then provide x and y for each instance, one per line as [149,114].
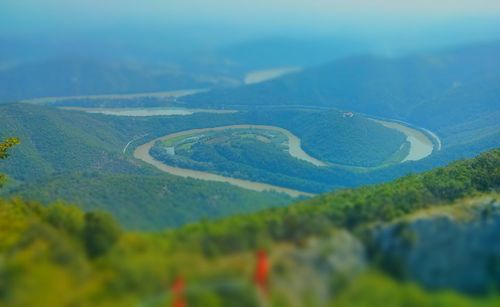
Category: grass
[265,136]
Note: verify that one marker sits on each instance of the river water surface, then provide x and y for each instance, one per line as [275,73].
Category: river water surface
[420,147]
[164,111]
[294,148]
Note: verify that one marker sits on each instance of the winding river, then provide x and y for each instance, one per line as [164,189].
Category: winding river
[142,153]
[145,112]
[420,147]
[420,144]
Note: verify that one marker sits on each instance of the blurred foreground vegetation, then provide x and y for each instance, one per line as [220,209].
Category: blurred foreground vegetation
[361,247]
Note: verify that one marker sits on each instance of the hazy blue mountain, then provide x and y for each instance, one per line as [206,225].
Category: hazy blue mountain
[85,76]
[422,89]
[284,51]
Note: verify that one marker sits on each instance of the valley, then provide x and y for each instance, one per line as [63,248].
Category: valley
[293,146]
[337,139]
[170,161]
[249,153]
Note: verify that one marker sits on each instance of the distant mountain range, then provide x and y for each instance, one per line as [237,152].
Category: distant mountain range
[422,89]
[87,76]
[453,93]
[55,70]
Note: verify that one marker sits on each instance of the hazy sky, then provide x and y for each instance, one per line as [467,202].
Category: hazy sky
[22,13]
[219,7]
[219,22]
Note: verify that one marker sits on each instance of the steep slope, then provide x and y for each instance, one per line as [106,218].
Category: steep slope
[60,158]
[328,251]
[353,208]
[78,157]
[148,201]
[453,247]
[57,141]
[54,141]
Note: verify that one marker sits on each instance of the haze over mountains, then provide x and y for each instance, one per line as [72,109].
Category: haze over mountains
[78,49]
[249,153]
[451,92]
[404,88]
[438,91]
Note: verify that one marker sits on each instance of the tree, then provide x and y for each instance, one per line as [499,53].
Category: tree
[100,233]
[4,147]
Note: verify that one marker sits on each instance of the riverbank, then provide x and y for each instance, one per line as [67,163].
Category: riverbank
[145,112]
[142,153]
[420,147]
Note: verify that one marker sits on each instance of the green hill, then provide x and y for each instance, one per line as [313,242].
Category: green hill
[77,157]
[55,141]
[59,148]
[454,93]
[348,248]
[327,135]
[331,136]
[148,201]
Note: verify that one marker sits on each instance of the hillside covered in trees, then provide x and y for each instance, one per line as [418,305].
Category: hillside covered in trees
[417,88]
[381,244]
[452,92]
[60,158]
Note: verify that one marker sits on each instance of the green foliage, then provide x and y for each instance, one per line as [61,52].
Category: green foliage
[68,219]
[55,141]
[61,159]
[6,145]
[327,135]
[351,208]
[247,159]
[58,256]
[100,233]
[59,156]
[332,137]
[149,202]
[375,289]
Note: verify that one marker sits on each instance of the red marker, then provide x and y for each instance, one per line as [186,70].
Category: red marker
[178,288]
[262,271]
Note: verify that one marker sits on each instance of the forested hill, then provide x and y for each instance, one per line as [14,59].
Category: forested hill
[78,157]
[432,90]
[361,206]
[349,248]
[56,141]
